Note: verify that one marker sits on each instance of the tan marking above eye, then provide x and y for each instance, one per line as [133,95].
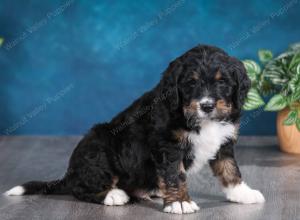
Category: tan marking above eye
[218,75]
[180,135]
[221,103]
[195,75]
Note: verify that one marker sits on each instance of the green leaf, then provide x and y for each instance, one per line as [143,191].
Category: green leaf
[1,41]
[275,73]
[291,118]
[298,69]
[265,87]
[298,124]
[265,56]
[253,100]
[252,68]
[285,54]
[277,81]
[295,61]
[293,83]
[295,46]
[296,95]
[276,103]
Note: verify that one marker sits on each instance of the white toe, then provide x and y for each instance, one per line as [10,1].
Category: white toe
[242,193]
[194,205]
[174,207]
[181,208]
[116,197]
[187,207]
[108,201]
[259,196]
[168,208]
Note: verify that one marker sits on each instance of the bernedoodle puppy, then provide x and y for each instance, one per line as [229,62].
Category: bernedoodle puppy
[189,119]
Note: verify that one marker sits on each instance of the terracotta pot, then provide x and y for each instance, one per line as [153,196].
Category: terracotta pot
[288,136]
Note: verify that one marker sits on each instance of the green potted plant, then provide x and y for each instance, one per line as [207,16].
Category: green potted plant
[278,81]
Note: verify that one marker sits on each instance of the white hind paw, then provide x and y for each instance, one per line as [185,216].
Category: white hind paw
[15,191]
[116,197]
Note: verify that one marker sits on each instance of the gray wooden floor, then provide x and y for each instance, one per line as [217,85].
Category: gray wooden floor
[22,159]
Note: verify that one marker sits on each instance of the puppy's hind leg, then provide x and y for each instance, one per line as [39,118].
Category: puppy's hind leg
[105,195]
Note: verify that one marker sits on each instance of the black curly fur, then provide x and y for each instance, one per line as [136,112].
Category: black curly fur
[138,146]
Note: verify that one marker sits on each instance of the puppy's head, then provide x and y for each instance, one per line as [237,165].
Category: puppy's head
[208,84]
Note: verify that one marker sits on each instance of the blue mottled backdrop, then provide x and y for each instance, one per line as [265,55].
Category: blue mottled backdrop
[68,64]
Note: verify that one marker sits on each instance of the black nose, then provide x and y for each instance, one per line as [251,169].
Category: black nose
[207,107]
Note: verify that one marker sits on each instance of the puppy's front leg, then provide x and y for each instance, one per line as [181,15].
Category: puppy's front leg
[172,183]
[226,169]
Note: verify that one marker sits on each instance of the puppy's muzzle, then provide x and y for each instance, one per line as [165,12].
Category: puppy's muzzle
[207,107]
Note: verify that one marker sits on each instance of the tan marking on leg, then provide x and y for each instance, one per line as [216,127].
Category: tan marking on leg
[183,191]
[172,194]
[181,167]
[227,172]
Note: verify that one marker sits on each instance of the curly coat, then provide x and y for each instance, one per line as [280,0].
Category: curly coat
[153,143]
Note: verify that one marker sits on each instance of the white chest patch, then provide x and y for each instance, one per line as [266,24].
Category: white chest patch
[207,143]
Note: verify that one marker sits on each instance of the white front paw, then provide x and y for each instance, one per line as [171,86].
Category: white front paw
[181,207]
[242,193]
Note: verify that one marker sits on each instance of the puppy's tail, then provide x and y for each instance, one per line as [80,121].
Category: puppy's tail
[39,187]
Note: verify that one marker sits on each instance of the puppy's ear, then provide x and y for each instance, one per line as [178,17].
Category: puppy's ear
[243,84]
[169,84]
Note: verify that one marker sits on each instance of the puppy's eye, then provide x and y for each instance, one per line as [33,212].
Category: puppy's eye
[221,82]
[191,82]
